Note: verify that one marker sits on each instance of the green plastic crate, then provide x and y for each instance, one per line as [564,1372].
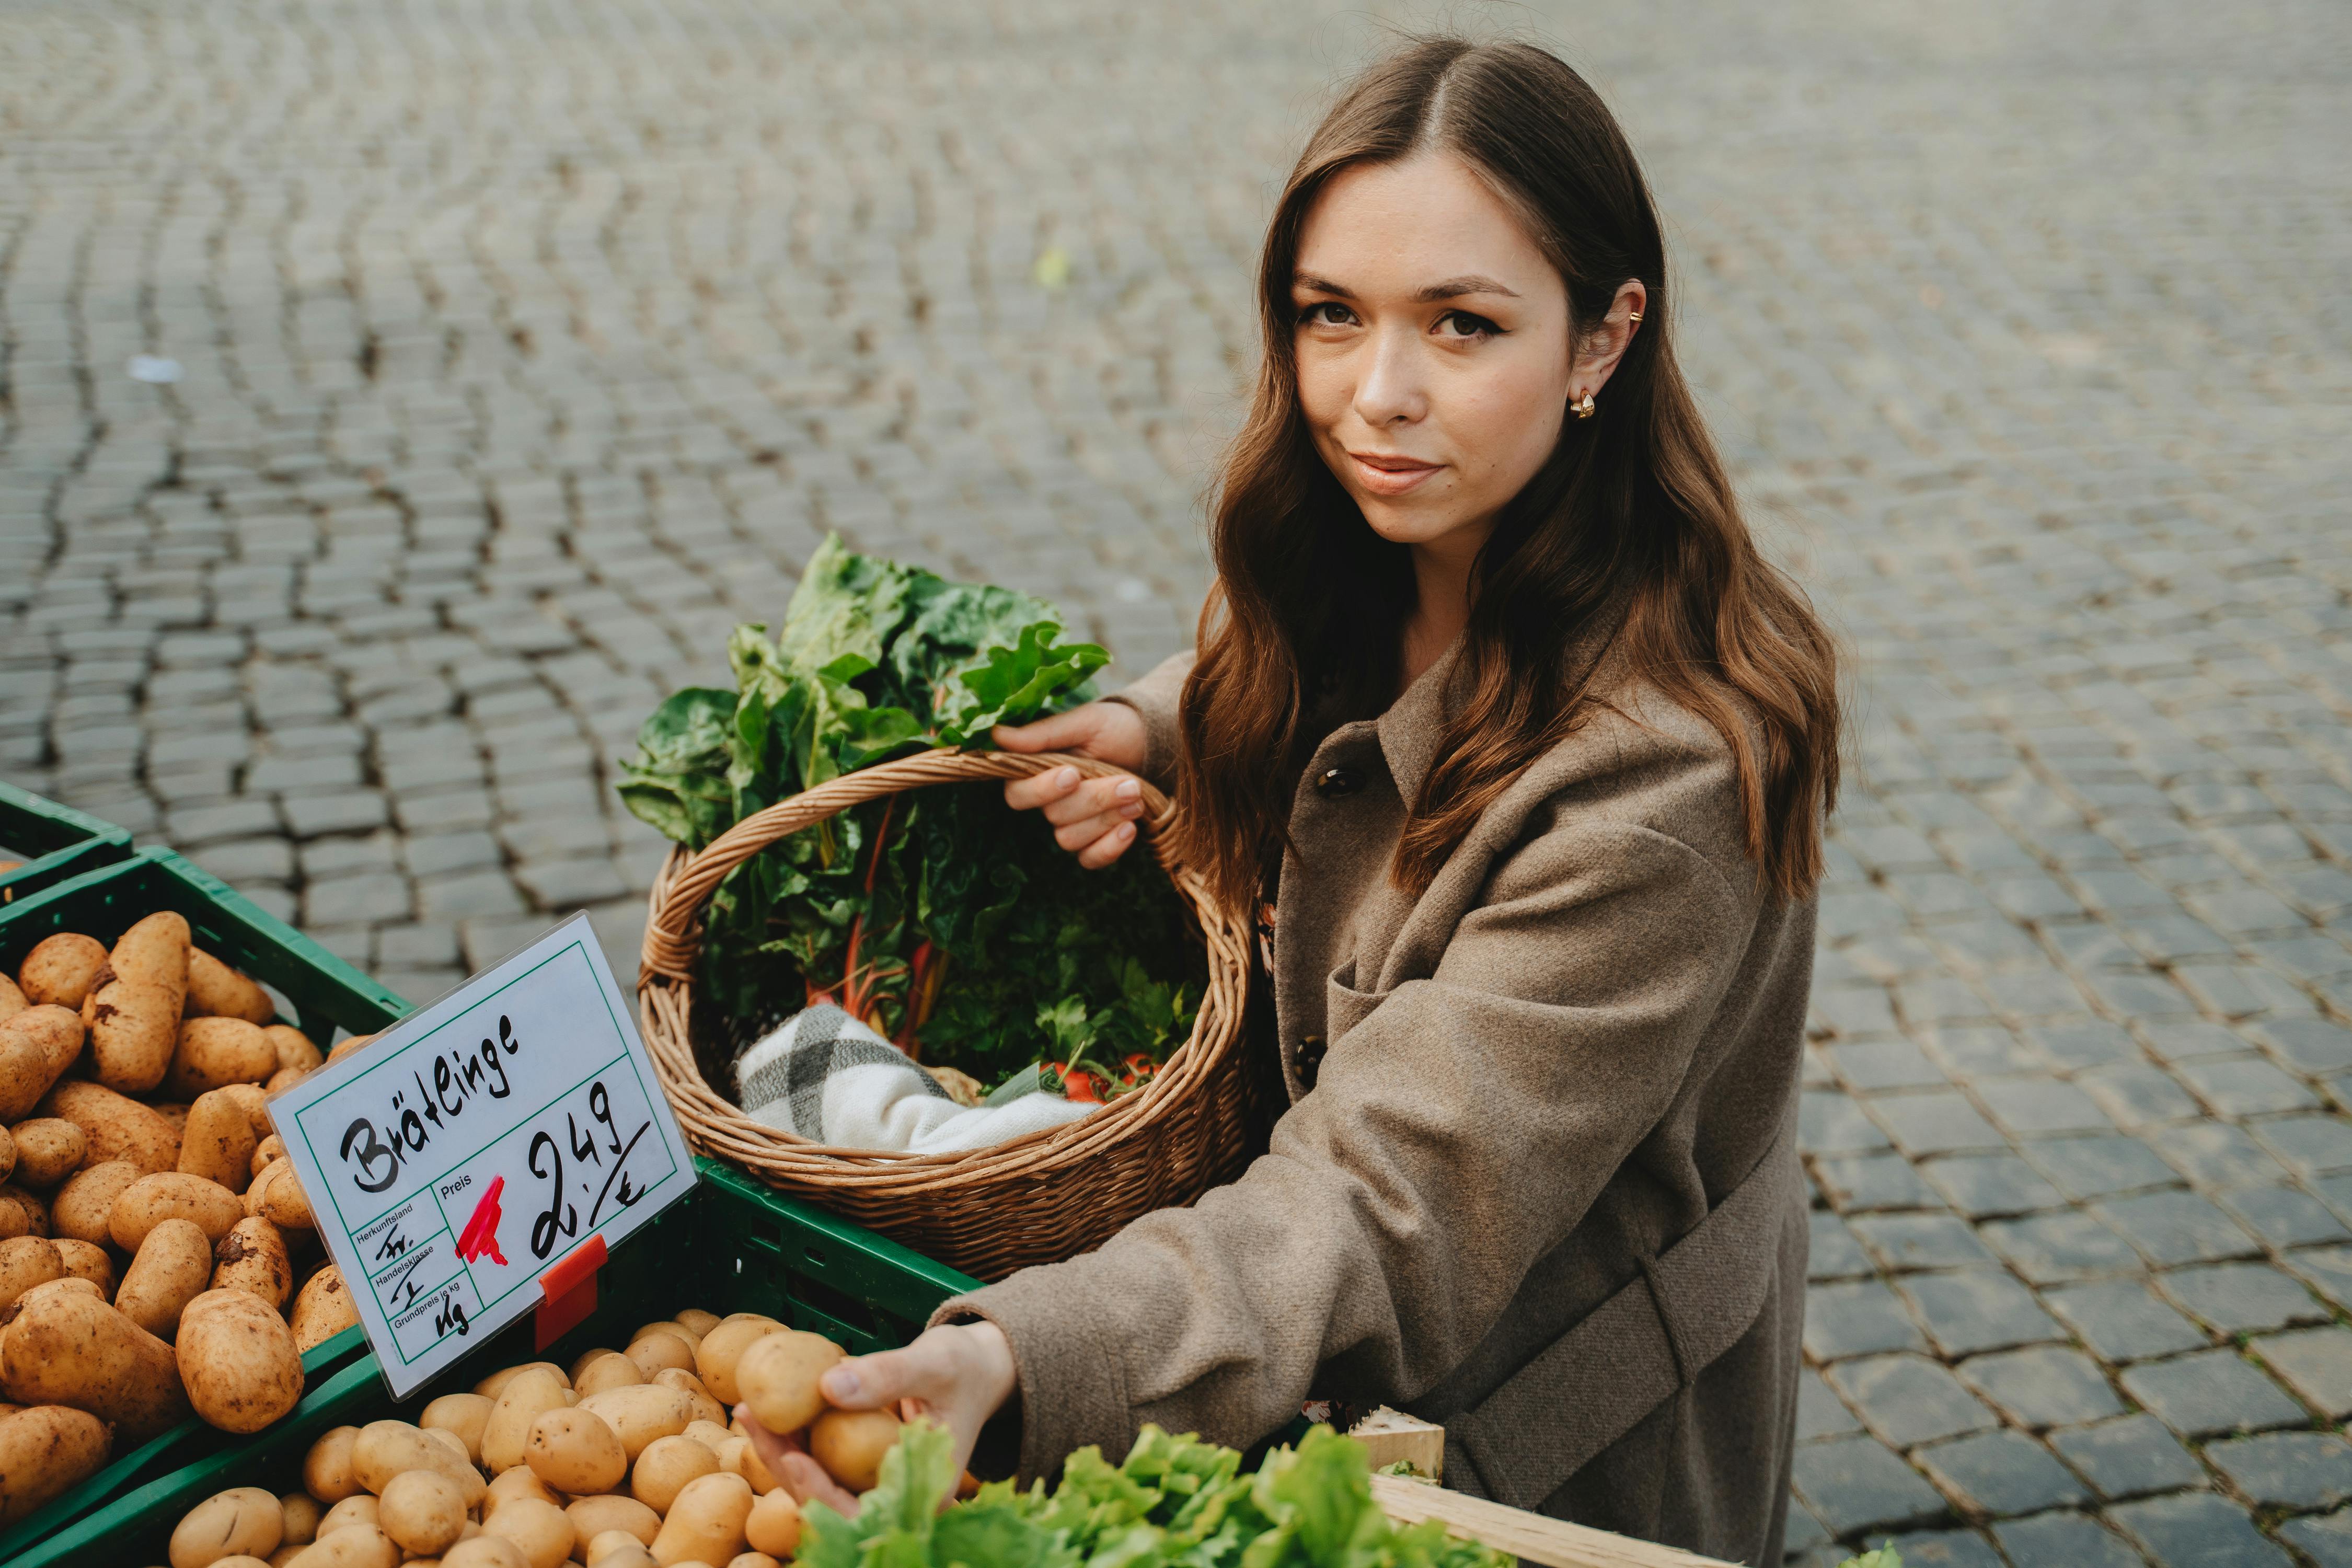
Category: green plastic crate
[322,991]
[730,1245]
[53,842]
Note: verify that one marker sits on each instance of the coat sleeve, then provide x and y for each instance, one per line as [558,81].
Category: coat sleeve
[1457,1134]
[1154,698]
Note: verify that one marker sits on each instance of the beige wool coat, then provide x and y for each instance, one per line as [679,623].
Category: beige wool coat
[1536,1180]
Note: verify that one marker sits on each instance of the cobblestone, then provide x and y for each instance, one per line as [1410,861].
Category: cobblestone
[523,355]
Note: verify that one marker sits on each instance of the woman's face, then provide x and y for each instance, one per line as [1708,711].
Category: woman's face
[1433,343]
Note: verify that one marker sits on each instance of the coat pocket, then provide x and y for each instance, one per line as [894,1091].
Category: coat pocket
[1344,1006]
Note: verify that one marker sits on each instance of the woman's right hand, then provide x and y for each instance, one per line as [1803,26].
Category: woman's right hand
[1093,818]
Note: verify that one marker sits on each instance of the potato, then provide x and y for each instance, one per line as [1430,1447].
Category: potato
[387,1449]
[752,1560]
[850,1445]
[654,1353]
[706,1523]
[238,1360]
[12,998]
[244,1521]
[174,1266]
[722,1346]
[642,1413]
[495,1384]
[175,1112]
[87,1260]
[118,1127]
[294,1049]
[58,971]
[520,1403]
[346,1046]
[422,1511]
[217,1142]
[539,1530]
[171,1195]
[7,1154]
[277,1197]
[777,1376]
[775,1524]
[301,1513]
[43,1451]
[667,1326]
[519,1482]
[49,1150]
[328,1473]
[741,1458]
[709,1433]
[154,952]
[697,1321]
[663,1470]
[356,1546]
[214,990]
[462,1414]
[84,1209]
[133,1031]
[26,1261]
[213,1052]
[359,1509]
[322,1309]
[594,1516]
[254,1100]
[68,1348]
[284,1077]
[36,1045]
[609,1369]
[252,1257]
[270,1147]
[704,1409]
[32,1214]
[485,1552]
[619,1549]
[575,1451]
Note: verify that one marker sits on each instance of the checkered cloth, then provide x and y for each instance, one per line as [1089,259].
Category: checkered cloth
[829,1079]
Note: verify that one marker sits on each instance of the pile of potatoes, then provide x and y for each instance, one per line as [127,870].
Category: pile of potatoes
[157,1254]
[625,1461]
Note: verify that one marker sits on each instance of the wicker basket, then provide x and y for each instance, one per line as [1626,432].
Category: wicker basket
[988,1212]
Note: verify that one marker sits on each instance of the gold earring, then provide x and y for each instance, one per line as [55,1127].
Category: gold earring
[1633,316]
[1583,406]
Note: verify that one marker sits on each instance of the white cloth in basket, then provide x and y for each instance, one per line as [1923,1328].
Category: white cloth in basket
[828,1077]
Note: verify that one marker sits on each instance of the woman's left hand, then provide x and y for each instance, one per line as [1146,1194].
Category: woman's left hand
[957,1375]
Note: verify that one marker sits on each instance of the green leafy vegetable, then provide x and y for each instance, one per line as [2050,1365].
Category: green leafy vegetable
[941,916]
[1175,1501]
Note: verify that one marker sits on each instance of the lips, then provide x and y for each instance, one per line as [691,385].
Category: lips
[1389,473]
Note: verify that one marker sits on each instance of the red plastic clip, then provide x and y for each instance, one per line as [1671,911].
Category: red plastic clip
[570,1292]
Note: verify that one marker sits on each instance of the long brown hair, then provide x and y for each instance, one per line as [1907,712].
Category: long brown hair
[1631,515]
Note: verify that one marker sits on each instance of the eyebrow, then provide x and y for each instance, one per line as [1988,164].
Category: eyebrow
[1452,288]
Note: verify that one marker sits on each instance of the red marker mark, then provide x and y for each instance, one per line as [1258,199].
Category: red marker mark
[481,1232]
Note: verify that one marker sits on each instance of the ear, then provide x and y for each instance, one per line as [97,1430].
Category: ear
[1605,344]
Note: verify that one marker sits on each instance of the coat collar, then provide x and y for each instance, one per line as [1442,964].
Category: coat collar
[1416,722]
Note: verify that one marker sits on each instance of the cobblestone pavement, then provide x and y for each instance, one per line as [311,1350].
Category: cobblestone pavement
[524,348]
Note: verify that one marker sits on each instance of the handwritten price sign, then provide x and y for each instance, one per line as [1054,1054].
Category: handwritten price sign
[479,1141]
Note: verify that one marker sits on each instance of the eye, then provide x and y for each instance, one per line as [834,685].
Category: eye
[1462,326]
[1327,313]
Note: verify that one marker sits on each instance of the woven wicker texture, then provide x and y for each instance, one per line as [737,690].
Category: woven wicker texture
[988,1212]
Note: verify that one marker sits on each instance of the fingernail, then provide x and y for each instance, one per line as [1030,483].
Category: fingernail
[1126,831]
[1129,790]
[1065,778]
[1133,808]
[841,1385]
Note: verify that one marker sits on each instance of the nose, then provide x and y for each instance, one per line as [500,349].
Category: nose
[1391,391]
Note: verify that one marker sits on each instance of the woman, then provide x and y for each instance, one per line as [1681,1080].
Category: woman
[1497,705]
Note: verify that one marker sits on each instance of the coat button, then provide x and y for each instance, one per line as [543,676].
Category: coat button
[1309,1058]
[1339,782]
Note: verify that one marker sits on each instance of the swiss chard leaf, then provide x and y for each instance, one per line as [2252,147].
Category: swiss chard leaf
[1011,685]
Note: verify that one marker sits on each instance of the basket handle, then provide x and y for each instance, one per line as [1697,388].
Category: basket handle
[673,937]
